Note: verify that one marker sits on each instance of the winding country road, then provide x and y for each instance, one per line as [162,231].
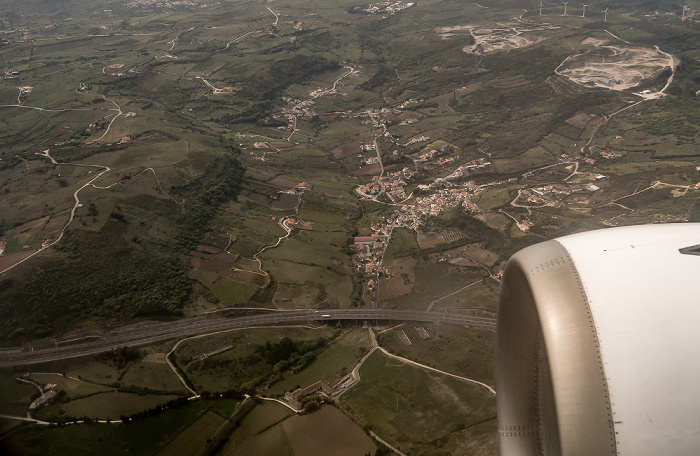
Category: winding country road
[72,212]
[152,331]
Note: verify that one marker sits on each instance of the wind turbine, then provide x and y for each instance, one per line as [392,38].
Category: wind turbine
[540,5]
[565,3]
[584,10]
[606,15]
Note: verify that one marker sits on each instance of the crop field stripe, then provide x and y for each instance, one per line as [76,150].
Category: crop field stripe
[193,438]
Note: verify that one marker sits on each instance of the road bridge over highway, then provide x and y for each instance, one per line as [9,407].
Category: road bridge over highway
[152,331]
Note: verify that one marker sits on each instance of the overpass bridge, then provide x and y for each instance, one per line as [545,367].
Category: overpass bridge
[147,332]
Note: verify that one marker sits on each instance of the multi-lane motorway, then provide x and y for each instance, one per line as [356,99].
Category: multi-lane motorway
[151,331]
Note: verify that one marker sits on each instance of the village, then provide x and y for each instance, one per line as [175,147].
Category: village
[296,107]
[447,192]
[451,191]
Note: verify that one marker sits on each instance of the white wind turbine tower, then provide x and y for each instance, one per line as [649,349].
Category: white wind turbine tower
[584,10]
[540,5]
[606,15]
[565,3]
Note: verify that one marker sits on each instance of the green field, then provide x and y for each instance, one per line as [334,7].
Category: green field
[326,431]
[268,429]
[403,243]
[16,396]
[195,437]
[156,376]
[6,425]
[95,372]
[108,405]
[232,293]
[264,416]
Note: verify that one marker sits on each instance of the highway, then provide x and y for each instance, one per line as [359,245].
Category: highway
[152,331]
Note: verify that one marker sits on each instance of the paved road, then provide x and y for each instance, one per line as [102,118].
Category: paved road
[151,331]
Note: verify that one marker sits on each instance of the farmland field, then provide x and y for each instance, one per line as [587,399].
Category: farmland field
[110,405]
[268,430]
[264,416]
[333,433]
[195,437]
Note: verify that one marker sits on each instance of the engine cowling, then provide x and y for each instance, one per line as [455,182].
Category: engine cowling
[598,344]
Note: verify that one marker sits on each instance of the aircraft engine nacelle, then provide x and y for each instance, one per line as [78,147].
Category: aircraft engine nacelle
[598,344]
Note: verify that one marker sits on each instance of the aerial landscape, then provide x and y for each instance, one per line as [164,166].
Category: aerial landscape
[247,227]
